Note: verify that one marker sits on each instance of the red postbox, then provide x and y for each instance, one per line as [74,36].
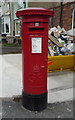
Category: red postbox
[35,56]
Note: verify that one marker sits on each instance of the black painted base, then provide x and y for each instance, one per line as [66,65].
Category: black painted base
[34,102]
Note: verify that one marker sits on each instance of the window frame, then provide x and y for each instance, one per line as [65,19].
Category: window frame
[17,31]
[73,19]
[3,24]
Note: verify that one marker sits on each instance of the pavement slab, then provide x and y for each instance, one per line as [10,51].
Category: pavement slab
[12,109]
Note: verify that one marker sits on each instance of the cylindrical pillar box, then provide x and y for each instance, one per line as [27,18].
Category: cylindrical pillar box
[35,56]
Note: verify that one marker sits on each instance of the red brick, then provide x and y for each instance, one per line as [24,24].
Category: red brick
[66,16]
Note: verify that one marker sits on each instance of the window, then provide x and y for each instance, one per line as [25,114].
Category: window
[73,19]
[0,25]
[7,28]
[17,27]
[5,24]
[51,22]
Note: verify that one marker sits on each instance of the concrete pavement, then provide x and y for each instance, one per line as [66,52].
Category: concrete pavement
[15,110]
[60,84]
[0,108]
[11,75]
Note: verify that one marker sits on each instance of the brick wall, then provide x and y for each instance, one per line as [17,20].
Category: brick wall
[66,16]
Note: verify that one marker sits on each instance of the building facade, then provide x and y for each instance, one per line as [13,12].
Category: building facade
[10,24]
[0,18]
[64,15]
[5,17]
[68,16]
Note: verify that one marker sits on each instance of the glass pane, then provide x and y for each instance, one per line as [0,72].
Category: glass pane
[7,28]
[2,20]
[2,28]
[74,20]
[0,24]
[17,28]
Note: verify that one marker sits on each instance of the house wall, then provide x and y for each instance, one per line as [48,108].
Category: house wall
[42,4]
[68,7]
[66,15]
[5,14]
[0,18]
[17,6]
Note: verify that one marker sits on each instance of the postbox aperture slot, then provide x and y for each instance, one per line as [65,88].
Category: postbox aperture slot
[36,29]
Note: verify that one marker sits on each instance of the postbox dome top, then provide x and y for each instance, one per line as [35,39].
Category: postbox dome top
[34,11]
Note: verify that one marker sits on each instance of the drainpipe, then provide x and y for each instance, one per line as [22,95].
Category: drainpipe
[61,10]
